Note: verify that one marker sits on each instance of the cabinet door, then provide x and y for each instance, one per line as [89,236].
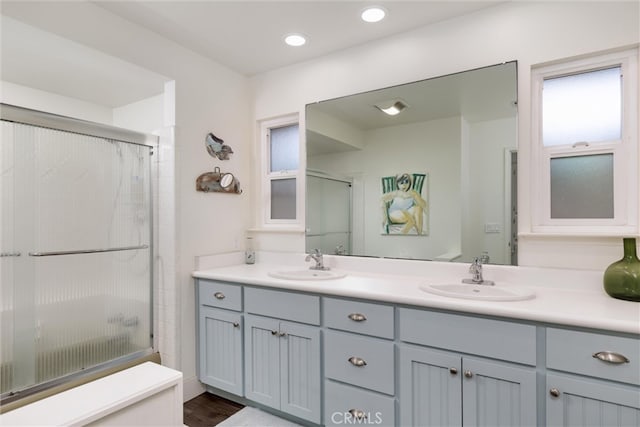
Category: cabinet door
[497,394]
[576,401]
[430,388]
[221,349]
[300,370]
[262,360]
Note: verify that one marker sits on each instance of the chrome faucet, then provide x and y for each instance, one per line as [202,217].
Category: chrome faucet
[317,257]
[476,274]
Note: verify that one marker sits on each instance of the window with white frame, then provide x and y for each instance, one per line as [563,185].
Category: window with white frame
[585,145]
[280,143]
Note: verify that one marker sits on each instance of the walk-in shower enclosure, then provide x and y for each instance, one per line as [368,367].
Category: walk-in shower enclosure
[76,248]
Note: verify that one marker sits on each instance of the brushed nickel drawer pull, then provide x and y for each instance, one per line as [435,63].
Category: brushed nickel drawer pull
[357,361]
[358,414]
[453,371]
[611,357]
[554,392]
[357,317]
[468,373]
[219,295]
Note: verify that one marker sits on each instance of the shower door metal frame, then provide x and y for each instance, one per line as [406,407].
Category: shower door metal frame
[26,116]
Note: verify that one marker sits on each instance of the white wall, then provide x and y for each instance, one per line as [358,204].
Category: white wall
[35,99]
[489,143]
[145,115]
[529,32]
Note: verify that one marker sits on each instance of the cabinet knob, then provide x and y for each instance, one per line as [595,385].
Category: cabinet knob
[453,371]
[274,333]
[236,324]
[282,334]
[219,295]
[468,373]
[554,392]
[357,317]
[357,361]
[611,357]
[358,414]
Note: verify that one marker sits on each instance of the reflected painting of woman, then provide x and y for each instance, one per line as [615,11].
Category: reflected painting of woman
[404,206]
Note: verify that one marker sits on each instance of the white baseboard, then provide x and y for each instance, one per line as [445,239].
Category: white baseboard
[192,388]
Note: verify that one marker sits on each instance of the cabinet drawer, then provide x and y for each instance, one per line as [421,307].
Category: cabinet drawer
[361,317]
[498,339]
[222,295]
[362,361]
[573,351]
[343,403]
[283,305]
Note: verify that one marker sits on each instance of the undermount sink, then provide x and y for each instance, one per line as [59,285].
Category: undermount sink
[307,274]
[496,292]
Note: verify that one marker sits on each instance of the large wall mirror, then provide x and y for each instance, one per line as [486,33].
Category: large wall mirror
[432,178]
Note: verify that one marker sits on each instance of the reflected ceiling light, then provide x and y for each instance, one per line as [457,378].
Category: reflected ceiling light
[373,14]
[392,108]
[295,40]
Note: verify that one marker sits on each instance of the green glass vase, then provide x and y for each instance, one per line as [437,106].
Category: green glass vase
[622,278]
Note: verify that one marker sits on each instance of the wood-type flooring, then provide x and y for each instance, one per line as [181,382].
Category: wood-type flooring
[207,410]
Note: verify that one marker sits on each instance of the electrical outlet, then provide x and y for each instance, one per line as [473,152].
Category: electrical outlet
[492,227]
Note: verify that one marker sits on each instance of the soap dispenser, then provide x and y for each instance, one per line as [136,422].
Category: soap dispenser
[249,253]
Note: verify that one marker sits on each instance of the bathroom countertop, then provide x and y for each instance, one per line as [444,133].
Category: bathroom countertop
[563,303]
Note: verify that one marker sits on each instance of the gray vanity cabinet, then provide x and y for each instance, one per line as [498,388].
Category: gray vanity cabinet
[441,387]
[359,363]
[592,379]
[282,357]
[220,336]
[578,401]
[390,365]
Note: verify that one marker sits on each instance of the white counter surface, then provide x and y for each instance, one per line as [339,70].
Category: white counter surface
[564,297]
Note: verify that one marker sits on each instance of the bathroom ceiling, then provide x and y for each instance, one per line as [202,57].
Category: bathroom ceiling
[246,36]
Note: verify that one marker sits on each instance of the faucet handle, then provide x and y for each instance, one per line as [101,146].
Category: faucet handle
[474,265]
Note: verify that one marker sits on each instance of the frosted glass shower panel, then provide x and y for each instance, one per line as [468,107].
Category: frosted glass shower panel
[582,186]
[78,210]
[584,107]
[90,192]
[328,225]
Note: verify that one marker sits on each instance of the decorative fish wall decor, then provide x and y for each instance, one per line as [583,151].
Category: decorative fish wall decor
[217,148]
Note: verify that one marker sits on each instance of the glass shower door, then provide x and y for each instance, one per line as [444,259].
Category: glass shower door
[76,253]
[328,223]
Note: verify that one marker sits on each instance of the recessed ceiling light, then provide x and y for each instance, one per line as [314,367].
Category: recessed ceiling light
[373,14]
[295,40]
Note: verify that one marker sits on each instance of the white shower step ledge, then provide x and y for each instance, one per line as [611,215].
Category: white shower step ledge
[147,394]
